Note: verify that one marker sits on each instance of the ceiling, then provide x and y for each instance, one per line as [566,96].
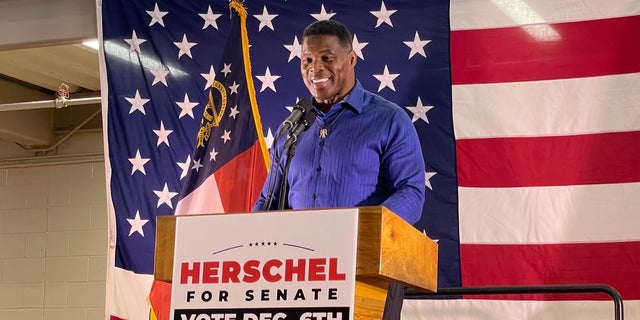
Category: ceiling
[34,64]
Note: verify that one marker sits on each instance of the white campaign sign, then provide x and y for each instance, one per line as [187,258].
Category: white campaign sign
[265,266]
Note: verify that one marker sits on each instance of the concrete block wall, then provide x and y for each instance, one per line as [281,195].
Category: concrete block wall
[53,242]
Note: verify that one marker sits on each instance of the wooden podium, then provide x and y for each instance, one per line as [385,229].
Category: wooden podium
[388,250]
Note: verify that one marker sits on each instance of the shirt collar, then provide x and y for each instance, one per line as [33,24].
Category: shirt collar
[354,100]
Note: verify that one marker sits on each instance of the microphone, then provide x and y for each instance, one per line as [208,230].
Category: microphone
[299,110]
[301,126]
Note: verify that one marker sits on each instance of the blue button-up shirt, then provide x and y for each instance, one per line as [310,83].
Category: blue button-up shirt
[370,156]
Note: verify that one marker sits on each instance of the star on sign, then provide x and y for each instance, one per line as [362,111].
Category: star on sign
[427,179]
[358,46]
[417,46]
[196,165]
[234,88]
[163,135]
[184,166]
[137,103]
[419,111]
[226,69]
[265,19]
[234,112]
[323,15]
[226,136]
[160,75]
[209,18]
[165,196]
[137,224]
[138,163]
[386,79]
[134,42]
[268,80]
[210,77]
[185,47]
[295,49]
[383,15]
[186,107]
[156,16]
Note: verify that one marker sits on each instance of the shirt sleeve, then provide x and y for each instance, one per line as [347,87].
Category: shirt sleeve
[403,169]
[272,183]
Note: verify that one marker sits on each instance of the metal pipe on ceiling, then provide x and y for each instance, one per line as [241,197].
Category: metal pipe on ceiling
[56,103]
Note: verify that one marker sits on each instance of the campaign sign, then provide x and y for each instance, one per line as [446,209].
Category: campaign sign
[265,266]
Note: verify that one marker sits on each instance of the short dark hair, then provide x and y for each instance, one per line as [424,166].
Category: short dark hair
[329,27]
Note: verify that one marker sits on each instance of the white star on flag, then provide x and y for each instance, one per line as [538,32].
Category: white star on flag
[156,16]
[295,49]
[185,47]
[163,135]
[268,80]
[210,77]
[165,196]
[196,165]
[186,107]
[226,136]
[226,69]
[269,139]
[383,15]
[234,112]
[417,46]
[134,42]
[209,18]
[419,111]
[265,19]
[358,46]
[184,166]
[137,224]
[427,178]
[160,75]
[323,15]
[213,154]
[138,163]
[137,103]
[234,88]
[386,79]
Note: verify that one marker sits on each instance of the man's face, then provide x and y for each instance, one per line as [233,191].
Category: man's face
[327,68]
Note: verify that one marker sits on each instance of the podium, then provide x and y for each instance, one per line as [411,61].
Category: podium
[388,250]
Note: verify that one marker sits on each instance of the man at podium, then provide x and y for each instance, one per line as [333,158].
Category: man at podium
[351,148]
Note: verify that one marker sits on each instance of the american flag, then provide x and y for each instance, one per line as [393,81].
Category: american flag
[528,114]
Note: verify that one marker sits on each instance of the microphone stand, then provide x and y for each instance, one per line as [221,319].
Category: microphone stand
[284,186]
[295,129]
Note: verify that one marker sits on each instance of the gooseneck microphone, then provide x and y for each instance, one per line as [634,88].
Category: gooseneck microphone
[299,110]
[301,118]
[302,125]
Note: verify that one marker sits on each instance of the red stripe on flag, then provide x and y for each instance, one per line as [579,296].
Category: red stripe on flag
[551,264]
[160,299]
[549,161]
[584,49]
[241,180]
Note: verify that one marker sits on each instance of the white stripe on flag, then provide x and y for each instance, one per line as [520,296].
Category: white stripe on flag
[467,309]
[127,294]
[486,14]
[204,199]
[549,214]
[552,107]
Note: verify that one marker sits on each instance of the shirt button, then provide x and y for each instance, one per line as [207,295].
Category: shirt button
[321,143]
[318,169]
[315,196]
